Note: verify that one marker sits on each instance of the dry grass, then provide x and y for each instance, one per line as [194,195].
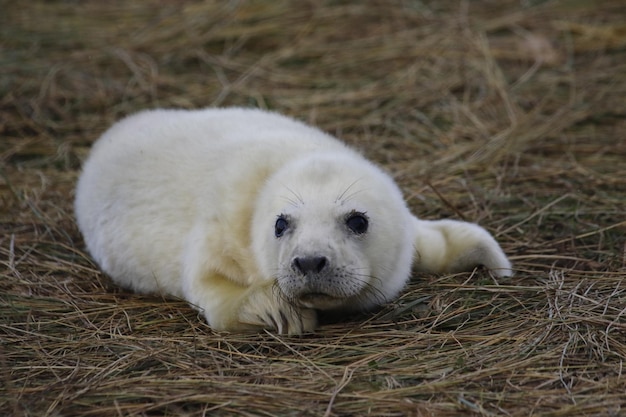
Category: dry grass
[507,113]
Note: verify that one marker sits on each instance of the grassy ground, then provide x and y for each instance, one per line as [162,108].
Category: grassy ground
[510,113]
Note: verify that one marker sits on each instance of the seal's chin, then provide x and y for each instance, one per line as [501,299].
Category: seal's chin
[320,301]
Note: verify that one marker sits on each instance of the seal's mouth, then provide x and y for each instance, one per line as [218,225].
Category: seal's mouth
[316,296]
[319,300]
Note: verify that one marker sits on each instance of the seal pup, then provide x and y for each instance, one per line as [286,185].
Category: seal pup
[258,220]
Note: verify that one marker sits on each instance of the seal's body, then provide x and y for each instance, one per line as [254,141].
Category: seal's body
[257,219]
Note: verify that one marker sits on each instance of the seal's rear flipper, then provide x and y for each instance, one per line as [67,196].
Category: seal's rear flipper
[455,246]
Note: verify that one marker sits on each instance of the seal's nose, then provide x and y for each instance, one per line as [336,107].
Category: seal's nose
[309,264]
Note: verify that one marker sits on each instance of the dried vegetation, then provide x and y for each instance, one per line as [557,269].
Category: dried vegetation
[510,113]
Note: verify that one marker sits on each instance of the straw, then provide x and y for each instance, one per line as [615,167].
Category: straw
[510,114]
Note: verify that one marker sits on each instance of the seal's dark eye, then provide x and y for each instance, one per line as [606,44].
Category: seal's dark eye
[357,222]
[281,225]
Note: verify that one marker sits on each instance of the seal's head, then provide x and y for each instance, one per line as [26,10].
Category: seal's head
[334,231]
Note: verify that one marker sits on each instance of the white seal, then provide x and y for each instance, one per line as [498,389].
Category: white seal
[258,220]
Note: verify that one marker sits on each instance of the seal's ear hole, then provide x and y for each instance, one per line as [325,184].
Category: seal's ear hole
[281,226]
[357,222]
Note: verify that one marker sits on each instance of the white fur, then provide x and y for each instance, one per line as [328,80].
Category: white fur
[185,203]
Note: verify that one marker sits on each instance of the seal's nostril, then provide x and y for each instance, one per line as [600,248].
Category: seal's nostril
[310,264]
[321,264]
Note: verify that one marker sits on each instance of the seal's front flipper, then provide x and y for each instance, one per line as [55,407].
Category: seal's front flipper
[230,306]
[265,307]
[456,246]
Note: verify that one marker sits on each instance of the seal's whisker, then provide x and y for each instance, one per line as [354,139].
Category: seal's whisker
[343,197]
[298,197]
